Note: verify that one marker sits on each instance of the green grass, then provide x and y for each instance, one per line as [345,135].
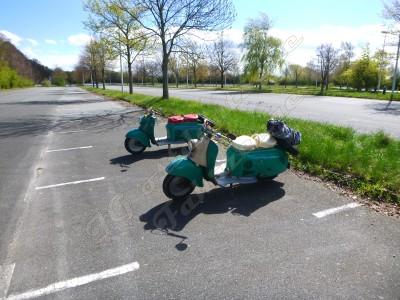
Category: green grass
[310,90]
[367,163]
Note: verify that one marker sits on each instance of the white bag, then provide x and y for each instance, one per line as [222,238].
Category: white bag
[264,140]
[244,143]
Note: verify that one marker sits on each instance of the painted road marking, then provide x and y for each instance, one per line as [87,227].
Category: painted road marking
[68,183]
[75,282]
[72,131]
[6,273]
[330,211]
[67,149]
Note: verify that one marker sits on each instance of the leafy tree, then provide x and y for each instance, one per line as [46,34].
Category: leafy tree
[120,27]
[296,71]
[263,52]
[382,58]
[364,72]
[58,78]
[170,20]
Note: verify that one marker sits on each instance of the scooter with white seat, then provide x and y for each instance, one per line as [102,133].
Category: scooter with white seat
[243,166]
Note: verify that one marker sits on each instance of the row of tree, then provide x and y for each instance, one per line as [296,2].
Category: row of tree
[157,40]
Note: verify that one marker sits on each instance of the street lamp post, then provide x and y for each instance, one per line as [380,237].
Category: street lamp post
[395,73]
[381,62]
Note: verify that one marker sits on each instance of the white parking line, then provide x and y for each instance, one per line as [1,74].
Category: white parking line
[335,210]
[75,282]
[6,272]
[67,149]
[68,183]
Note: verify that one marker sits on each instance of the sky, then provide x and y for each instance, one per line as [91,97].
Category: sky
[53,32]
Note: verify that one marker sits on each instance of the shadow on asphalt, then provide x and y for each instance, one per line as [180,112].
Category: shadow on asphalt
[219,92]
[44,124]
[393,109]
[66,102]
[240,200]
[126,160]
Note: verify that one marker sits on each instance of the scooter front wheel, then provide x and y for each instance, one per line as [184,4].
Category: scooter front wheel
[133,146]
[177,187]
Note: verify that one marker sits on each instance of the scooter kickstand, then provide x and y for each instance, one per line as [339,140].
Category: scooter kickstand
[169,150]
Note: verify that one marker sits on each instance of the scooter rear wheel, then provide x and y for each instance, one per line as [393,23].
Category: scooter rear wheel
[133,146]
[177,187]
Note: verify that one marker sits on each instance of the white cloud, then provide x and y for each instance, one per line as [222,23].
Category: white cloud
[65,61]
[15,39]
[29,52]
[79,39]
[50,42]
[300,44]
[33,42]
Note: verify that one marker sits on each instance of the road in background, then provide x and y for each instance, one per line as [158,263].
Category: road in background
[362,114]
[112,234]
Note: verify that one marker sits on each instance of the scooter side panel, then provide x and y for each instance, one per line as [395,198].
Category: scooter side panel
[140,136]
[184,167]
[258,163]
[184,131]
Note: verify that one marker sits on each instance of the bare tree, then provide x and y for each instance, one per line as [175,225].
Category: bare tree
[347,54]
[392,10]
[107,17]
[174,67]
[170,20]
[223,57]
[327,61]
[194,54]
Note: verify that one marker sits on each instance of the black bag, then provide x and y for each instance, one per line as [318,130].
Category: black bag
[285,136]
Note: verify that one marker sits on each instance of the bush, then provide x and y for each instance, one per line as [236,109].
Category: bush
[46,83]
[10,79]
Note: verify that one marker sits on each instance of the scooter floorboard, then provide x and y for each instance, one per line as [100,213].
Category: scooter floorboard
[161,141]
[226,180]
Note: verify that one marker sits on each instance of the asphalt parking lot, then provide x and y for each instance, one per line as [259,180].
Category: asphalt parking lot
[81,218]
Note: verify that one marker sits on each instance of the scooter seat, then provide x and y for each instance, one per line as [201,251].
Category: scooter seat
[244,143]
[176,119]
[190,118]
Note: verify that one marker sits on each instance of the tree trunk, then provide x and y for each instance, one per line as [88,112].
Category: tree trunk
[95,79]
[130,78]
[177,79]
[194,78]
[128,60]
[222,79]
[165,76]
[327,82]
[103,79]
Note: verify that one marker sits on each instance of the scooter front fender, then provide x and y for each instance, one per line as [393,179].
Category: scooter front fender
[184,167]
[140,136]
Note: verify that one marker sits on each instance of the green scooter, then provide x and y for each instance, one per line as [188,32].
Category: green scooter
[242,167]
[180,129]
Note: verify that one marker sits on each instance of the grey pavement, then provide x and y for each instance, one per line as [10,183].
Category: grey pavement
[362,114]
[260,241]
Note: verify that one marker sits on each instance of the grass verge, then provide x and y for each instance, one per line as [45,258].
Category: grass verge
[369,164]
[314,91]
